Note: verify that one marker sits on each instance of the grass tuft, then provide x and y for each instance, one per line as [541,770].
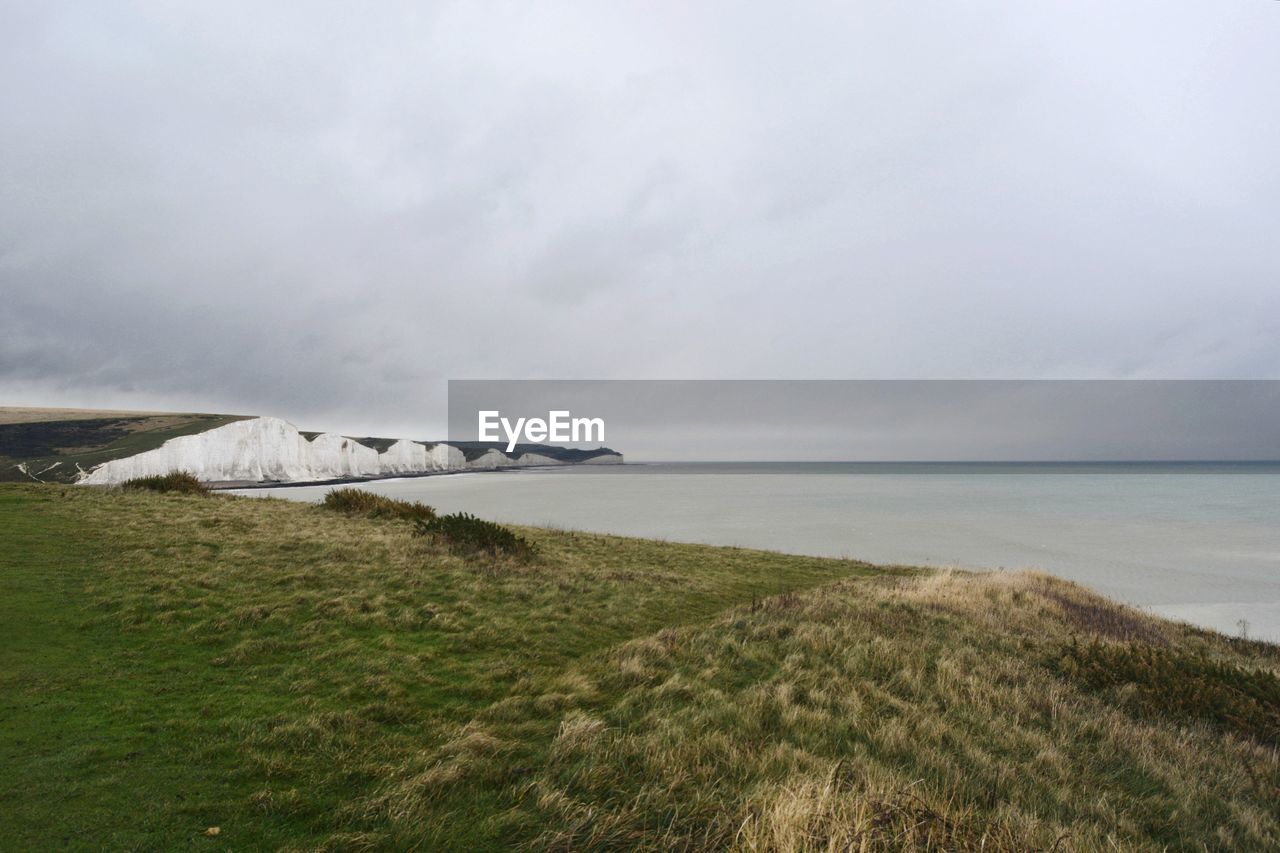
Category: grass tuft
[833,814]
[373,505]
[1163,683]
[181,482]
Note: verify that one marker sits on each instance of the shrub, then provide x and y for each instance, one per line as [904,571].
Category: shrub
[467,535]
[360,502]
[1179,685]
[181,482]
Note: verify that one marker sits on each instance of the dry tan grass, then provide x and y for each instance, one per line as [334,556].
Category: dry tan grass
[843,812]
[37,414]
[885,715]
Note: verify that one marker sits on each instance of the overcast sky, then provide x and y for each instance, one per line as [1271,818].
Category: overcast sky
[324,211]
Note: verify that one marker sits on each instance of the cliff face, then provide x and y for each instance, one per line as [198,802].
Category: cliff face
[272,450]
[490,459]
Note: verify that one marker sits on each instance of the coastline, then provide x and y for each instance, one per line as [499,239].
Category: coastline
[1143,538]
[229,485]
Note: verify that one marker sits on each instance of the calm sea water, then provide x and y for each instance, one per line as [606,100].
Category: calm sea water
[1198,542]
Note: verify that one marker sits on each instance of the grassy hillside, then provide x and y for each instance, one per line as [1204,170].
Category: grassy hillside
[50,443]
[301,678]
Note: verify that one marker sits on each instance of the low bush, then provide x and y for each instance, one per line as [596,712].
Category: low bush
[1179,685]
[467,535]
[361,502]
[181,482]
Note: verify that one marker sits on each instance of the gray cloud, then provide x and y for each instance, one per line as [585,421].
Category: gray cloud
[323,212]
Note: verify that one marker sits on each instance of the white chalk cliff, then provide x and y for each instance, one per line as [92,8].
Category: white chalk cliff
[262,450]
[489,459]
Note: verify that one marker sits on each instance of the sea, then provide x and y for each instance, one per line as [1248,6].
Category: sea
[1197,542]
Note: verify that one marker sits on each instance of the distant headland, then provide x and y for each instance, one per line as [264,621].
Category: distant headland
[108,447]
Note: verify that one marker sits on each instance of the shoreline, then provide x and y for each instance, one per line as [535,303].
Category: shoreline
[242,485]
[1170,556]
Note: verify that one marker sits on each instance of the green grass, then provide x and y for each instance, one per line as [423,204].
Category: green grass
[171,663]
[307,679]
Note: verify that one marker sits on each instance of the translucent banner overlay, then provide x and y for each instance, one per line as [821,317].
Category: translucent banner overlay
[1014,421]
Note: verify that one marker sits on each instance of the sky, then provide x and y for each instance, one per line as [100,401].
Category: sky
[325,211]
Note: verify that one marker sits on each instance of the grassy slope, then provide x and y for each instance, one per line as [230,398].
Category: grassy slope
[104,438]
[306,679]
[171,663]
